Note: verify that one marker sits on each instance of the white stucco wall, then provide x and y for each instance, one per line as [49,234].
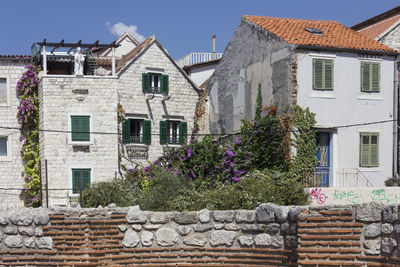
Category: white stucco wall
[347,105]
[11,166]
[126,45]
[200,74]
[180,106]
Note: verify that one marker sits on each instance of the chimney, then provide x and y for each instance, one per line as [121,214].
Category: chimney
[213,48]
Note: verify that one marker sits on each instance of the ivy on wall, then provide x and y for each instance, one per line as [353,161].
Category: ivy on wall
[28,119]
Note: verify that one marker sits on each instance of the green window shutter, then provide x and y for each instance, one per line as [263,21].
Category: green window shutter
[80,128]
[76,174]
[147,132]
[182,132]
[164,84]
[375,77]
[85,178]
[328,74]
[364,150]
[75,128]
[145,82]
[163,132]
[365,77]
[318,74]
[126,131]
[374,150]
[85,128]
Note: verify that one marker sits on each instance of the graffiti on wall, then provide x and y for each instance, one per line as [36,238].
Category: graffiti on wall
[354,196]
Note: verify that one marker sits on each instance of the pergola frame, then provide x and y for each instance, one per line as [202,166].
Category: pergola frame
[43,45]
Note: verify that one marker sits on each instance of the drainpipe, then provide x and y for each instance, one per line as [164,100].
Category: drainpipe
[213,47]
[395,117]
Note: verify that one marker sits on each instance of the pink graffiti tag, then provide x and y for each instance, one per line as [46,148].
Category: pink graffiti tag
[318,195]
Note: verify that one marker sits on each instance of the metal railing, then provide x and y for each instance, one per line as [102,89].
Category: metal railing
[336,178]
[197,57]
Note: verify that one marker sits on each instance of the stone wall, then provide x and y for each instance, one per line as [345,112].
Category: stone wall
[392,38]
[270,235]
[11,166]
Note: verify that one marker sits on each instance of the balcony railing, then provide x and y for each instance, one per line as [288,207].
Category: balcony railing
[336,178]
[196,57]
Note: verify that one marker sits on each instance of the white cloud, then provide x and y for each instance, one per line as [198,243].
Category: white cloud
[120,28]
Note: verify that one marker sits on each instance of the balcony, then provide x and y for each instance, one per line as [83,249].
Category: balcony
[197,57]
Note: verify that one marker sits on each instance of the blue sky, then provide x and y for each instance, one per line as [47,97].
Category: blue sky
[181,26]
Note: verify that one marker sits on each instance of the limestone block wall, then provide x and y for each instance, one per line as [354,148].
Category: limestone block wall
[270,235]
[11,167]
[392,38]
[61,97]
[180,106]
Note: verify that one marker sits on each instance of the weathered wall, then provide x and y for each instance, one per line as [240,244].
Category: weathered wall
[392,38]
[270,235]
[61,97]
[252,56]
[11,166]
[181,105]
[324,196]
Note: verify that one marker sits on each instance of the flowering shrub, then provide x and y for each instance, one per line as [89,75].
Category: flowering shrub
[28,119]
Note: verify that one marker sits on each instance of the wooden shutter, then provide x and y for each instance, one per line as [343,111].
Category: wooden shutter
[374,150]
[365,76]
[163,132]
[85,178]
[76,174]
[375,77]
[147,132]
[364,150]
[182,132]
[85,128]
[318,74]
[145,82]
[164,84]
[328,74]
[126,131]
[75,128]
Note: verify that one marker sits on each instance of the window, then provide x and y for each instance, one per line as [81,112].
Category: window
[370,76]
[155,83]
[3,146]
[322,74]
[136,131]
[3,91]
[80,128]
[173,132]
[80,180]
[369,150]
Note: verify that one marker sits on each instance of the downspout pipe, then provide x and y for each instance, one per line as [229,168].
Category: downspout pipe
[395,117]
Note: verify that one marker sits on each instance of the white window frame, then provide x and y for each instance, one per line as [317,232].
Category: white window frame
[8,92]
[9,146]
[83,143]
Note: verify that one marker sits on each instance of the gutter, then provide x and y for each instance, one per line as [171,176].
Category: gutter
[351,50]
[395,117]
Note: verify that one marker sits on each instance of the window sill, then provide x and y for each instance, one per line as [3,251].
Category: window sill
[172,144]
[137,144]
[369,169]
[80,143]
[323,94]
[5,105]
[370,96]
[5,159]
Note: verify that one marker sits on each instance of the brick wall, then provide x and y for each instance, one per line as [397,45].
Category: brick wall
[364,235]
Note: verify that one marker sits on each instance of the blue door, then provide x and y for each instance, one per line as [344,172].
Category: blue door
[323,156]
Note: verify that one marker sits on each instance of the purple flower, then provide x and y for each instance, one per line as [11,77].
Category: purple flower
[237,140]
[189,152]
[236,179]
[229,153]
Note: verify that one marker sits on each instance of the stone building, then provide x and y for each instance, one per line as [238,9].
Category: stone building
[11,69]
[345,77]
[82,138]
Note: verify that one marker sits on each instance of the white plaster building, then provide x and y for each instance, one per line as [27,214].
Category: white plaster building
[84,141]
[11,69]
[346,78]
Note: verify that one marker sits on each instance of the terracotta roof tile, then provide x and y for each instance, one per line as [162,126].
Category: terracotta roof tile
[334,34]
[134,52]
[377,29]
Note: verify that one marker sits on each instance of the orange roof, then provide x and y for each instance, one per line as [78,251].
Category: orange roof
[334,34]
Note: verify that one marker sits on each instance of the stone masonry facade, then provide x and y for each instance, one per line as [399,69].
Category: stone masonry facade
[270,235]
[11,166]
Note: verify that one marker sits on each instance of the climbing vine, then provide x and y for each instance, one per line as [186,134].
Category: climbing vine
[28,119]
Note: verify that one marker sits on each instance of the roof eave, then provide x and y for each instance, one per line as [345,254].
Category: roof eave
[351,50]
